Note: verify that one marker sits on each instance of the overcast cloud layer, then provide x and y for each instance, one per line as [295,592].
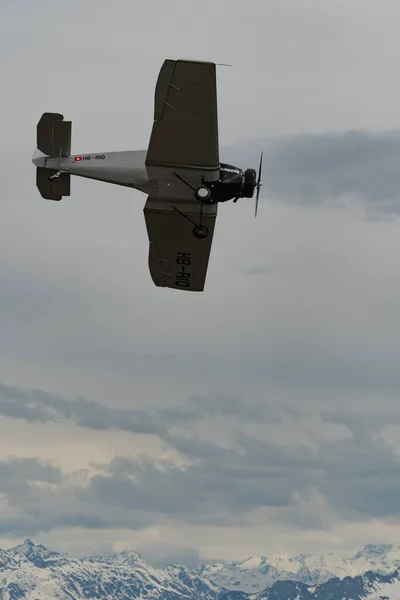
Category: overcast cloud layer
[257,417]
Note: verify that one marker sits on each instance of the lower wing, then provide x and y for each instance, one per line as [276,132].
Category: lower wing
[179,253]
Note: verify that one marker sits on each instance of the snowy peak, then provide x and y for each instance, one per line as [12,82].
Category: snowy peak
[26,546]
[254,562]
[37,554]
[372,551]
[33,571]
[129,557]
[126,557]
[259,572]
[377,550]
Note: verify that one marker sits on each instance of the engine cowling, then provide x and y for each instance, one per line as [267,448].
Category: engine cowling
[249,183]
[234,183]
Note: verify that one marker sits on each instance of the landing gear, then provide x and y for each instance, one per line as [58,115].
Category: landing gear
[55,176]
[58,173]
[203,195]
[200,231]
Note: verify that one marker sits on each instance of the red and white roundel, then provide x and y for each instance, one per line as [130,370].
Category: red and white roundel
[78,158]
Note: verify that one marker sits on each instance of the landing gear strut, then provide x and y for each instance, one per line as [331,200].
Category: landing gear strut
[58,173]
[55,176]
[203,195]
[199,230]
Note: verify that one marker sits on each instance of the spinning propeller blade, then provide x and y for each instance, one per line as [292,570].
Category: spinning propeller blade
[259,184]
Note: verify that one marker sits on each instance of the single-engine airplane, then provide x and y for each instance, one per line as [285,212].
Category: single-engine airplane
[180,172]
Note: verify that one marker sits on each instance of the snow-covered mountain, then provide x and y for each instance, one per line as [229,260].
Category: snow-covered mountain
[33,572]
[256,573]
[370,586]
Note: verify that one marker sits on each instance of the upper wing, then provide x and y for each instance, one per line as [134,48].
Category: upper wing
[177,259]
[183,142]
[185,128]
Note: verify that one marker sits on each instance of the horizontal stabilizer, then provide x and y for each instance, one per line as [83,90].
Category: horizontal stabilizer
[52,189]
[53,135]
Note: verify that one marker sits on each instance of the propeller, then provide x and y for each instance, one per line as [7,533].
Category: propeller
[258,184]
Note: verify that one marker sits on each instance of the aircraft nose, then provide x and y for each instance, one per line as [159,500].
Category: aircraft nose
[38,158]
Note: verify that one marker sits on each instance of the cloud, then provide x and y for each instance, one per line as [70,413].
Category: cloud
[309,486]
[357,476]
[362,475]
[310,170]
[162,554]
[19,478]
[26,470]
[253,461]
[36,405]
[220,404]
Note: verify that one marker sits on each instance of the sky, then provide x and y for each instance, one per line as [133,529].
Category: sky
[261,416]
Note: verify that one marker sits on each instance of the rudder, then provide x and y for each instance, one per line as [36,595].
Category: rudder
[53,135]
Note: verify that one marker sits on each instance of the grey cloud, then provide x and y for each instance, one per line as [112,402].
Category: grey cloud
[358,477]
[34,509]
[135,493]
[362,473]
[365,481]
[161,555]
[221,484]
[220,481]
[370,420]
[28,469]
[261,270]
[18,477]
[121,345]
[219,404]
[36,405]
[310,169]
[21,410]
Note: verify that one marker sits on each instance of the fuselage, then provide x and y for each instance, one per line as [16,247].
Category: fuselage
[128,168]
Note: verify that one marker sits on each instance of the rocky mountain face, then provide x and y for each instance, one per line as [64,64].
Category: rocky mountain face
[370,586]
[33,572]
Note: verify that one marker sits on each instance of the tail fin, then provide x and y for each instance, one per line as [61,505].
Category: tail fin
[53,135]
[53,139]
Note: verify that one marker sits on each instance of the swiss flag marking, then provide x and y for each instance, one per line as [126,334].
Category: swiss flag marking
[78,158]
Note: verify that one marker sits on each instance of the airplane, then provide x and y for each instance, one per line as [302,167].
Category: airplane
[180,172]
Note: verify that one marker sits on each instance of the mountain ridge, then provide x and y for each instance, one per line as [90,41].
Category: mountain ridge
[32,571]
[258,572]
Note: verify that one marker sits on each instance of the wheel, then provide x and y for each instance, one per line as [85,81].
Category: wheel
[200,231]
[203,194]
